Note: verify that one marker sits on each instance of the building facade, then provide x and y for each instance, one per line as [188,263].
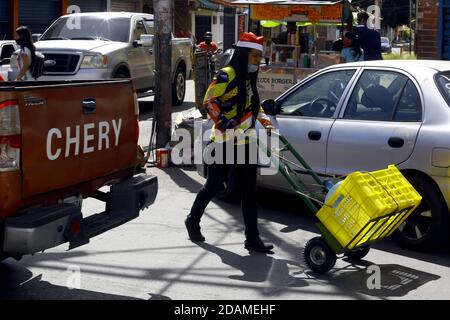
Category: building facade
[191,17]
[427,29]
[38,15]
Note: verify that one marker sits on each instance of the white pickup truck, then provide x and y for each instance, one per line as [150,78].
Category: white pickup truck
[105,45]
[7,48]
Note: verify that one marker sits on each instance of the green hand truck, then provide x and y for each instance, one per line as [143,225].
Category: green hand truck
[364,208]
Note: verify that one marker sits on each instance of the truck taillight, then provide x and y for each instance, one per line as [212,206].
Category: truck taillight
[136,117]
[10,138]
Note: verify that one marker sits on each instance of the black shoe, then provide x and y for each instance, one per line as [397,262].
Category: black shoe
[193,230]
[258,245]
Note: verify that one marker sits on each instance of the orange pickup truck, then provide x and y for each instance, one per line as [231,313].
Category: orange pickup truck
[60,142]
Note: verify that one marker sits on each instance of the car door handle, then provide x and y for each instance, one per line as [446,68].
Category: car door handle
[314,135]
[395,142]
[89,105]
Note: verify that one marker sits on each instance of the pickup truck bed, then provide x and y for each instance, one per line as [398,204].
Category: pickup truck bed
[59,143]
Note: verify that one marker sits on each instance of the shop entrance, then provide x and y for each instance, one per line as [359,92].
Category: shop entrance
[202,24]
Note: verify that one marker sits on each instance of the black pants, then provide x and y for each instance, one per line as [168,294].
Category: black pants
[217,175]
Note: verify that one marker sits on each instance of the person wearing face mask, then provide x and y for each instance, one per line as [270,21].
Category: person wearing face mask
[208,45]
[232,101]
[26,54]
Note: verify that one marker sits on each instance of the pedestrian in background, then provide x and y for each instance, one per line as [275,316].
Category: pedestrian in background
[370,39]
[207,44]
[352,51]
[26,54]
[232,101]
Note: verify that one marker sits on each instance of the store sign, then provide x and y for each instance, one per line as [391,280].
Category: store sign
[275,82]
[303,12]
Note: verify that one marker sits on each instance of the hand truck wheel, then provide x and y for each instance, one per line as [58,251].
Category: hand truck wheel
[358,254]
[319,256]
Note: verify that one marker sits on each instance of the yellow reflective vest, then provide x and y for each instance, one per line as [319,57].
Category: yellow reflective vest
[221,104]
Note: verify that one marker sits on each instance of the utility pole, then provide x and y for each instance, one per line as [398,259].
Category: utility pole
[163,15]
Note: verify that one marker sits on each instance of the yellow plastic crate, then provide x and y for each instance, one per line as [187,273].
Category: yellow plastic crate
[368,207]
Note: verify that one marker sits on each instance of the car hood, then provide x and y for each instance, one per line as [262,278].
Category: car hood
[80,45]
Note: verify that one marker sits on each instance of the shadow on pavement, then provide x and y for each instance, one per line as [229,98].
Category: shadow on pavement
[441,257]
[258,267]
[18,283]
[289,211]
[382,281]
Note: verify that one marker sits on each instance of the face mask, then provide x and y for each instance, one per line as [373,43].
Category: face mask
[252,68]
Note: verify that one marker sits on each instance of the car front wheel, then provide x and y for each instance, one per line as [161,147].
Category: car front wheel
[428,226]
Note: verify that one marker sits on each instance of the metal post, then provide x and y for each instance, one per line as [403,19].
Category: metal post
[163,14]
[249,23]
[410,27]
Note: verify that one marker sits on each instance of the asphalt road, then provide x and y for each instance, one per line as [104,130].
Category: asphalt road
[151,257]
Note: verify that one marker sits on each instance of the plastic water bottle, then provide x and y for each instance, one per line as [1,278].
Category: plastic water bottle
[328,184]
[332,190]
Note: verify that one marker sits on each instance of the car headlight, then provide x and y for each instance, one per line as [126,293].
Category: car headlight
[94,62]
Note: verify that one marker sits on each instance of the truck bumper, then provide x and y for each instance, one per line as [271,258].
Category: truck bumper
[47,227]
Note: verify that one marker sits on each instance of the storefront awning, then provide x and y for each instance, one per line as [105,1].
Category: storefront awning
[273,24]
[207,4]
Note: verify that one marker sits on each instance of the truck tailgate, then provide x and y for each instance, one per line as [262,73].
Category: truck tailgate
[83,130]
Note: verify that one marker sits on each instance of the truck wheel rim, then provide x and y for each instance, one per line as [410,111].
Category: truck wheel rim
[180,86]
[318,256]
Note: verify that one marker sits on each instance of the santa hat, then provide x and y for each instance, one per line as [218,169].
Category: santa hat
[250,40]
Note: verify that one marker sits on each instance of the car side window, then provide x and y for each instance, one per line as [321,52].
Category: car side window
[7,51]
[409,108]
[376,96]
[319,97]
[139,30]
[149,25]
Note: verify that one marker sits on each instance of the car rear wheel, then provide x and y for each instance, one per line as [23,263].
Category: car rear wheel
[428,226]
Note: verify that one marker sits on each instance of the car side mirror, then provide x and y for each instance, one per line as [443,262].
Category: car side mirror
[147,40]
[36,36]
[270,107]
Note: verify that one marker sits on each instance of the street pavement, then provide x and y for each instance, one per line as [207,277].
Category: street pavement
[152,258]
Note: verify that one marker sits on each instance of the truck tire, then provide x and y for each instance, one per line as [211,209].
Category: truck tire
[120,75]
[179,87]
[429,225]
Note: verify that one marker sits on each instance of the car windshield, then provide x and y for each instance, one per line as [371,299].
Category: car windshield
[384,40]
[89,28]
[443,82]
